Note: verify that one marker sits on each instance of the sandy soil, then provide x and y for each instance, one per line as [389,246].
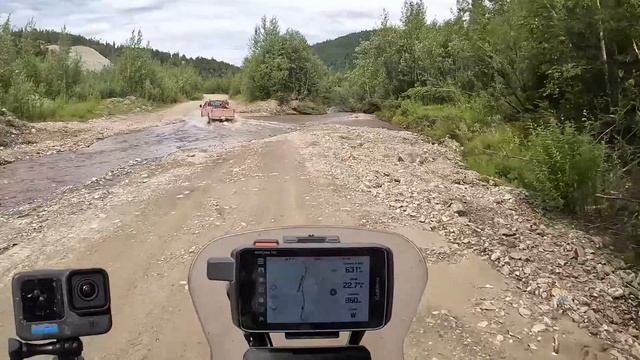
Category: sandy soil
[146,227]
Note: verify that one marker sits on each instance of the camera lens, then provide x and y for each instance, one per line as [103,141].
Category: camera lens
[87,290]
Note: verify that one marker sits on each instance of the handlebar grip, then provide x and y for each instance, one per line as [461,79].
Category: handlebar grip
[61,348]
[15,349]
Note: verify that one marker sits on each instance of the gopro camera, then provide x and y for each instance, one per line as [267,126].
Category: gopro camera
[61,304]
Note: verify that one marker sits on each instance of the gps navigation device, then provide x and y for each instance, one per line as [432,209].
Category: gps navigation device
[317,287]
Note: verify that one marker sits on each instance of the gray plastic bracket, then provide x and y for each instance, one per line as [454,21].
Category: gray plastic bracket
[221,269]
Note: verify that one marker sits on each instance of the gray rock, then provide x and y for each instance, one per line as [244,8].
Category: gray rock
[615,293]
[518,256]
[627,276]
[506,232]
[524,312]
[538,328]
[635,350]
[613,317]
[495,256]
[575,317]
[409,157]
[458,208]
[487,305]
[593,317]
[505,270]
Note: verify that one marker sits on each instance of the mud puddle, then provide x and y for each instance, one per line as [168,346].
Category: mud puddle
[25,181]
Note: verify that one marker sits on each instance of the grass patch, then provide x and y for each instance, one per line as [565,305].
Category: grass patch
[459,122]
[61,110]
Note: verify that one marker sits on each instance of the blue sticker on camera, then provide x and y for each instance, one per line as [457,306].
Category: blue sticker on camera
[44,329]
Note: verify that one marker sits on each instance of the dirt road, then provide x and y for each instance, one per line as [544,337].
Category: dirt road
[145,222]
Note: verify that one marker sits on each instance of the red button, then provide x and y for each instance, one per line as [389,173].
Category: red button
[266,243]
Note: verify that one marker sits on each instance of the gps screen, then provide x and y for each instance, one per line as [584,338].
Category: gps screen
[310,289]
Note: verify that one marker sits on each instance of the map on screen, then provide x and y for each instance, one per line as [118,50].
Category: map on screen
[317,289]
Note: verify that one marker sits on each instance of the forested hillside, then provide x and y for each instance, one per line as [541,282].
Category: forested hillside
[206,67]
[338,53]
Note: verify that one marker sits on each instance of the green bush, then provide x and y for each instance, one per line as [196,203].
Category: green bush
[564,168]
[370,106]
[22,99]
[459,122]
[309,108]
[567,167]
[432,96]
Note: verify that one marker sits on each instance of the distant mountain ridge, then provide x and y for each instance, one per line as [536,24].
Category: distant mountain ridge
[206,67]
[338,53]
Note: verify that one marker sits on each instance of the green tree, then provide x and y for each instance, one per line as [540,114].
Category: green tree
[136,69]
[280,65]
[8,54]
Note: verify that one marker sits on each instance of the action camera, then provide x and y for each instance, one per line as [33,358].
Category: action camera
[61,304]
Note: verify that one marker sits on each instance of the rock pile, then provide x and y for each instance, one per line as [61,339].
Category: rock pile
[566,270]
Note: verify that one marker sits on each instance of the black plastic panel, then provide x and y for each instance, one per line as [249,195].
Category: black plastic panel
[337,353]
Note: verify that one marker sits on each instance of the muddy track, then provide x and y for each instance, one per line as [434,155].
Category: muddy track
[145,225]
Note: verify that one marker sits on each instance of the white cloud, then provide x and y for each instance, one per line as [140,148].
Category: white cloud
[208,28]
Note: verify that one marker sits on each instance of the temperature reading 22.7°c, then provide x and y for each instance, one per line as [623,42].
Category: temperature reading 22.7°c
[353,285]
[353,269]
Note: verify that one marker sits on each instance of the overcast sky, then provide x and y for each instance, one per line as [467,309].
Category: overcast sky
[207,28]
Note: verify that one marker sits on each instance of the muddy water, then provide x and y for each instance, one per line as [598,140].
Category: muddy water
[37,179]
[25,181]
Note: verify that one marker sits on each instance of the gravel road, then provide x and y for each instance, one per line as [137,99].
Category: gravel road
[504,283]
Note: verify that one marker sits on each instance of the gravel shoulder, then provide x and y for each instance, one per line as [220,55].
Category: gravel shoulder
[503,282]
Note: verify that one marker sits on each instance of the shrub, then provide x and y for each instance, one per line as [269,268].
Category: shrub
[310,108]
[432,96]
[22,99]
[370,106]
[567,168]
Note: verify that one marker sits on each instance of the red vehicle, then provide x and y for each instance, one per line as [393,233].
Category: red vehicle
[217,110]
